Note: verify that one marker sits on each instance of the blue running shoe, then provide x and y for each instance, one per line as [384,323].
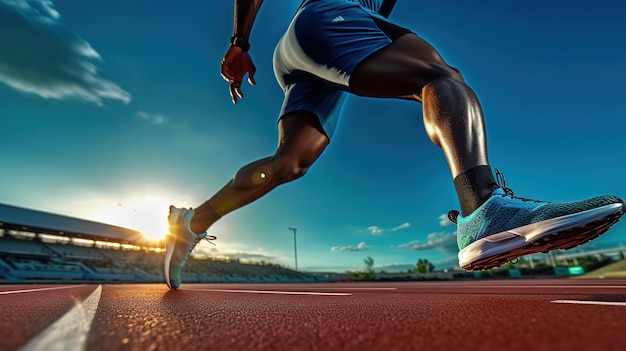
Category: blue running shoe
[179,244]
[506,227]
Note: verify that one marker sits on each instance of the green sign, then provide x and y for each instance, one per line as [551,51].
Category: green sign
[576,270]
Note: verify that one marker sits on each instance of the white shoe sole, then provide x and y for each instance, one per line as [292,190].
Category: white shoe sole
[170,243]
[557,233]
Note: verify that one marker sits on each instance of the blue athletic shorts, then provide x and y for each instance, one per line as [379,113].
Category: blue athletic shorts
[323,45]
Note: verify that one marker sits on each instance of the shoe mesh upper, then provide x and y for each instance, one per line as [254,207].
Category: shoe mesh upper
[503,211]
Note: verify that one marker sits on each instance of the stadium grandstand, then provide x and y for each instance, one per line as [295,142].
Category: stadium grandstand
[38,246]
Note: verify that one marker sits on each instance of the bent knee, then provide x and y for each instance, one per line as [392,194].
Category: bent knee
[445,72]
[289,170]
[438,75]
[275,172]
[456,74]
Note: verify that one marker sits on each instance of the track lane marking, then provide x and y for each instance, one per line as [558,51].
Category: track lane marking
[273,292]
[374,289]
[557,286]
[598,303]
[68,333]
[40,289]
[517,286]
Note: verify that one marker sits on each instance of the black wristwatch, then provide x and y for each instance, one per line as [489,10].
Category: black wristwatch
[241,42]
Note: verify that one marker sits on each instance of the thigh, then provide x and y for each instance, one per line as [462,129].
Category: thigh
[402,68]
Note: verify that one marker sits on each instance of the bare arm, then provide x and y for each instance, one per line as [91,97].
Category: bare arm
[245,14]
[236,62]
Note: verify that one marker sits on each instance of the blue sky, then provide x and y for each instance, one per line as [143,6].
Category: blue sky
[112,110]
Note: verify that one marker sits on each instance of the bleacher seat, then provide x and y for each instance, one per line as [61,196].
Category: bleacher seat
[12,245]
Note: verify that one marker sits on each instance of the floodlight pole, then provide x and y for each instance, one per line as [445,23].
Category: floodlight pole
[295,249]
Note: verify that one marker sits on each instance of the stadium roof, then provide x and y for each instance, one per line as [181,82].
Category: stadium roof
[17,218]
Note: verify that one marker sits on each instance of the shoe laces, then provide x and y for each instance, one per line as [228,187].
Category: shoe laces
[453,215]
[207,237]
[500,183]
[196,241]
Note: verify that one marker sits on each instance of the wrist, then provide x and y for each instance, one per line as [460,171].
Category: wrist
[240,42]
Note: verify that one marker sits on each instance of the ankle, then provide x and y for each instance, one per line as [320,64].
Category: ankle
[203,218]
[473,187]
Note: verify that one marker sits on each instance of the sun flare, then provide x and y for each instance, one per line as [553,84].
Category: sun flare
[147,215]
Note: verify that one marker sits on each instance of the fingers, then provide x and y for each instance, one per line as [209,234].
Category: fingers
[251,75]
[235,87]
[235,91]
[227,77]
[225,72]
[234,75]
[233,95]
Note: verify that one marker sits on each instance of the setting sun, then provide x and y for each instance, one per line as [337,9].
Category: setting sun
[147,215]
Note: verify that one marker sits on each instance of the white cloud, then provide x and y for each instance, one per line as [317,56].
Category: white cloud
[400,227]
[375,230]
[154,118]
[42,57]
[361,247]
[444,242]
[444,220]
[41,9]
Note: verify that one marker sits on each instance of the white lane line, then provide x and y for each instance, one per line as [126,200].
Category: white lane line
[600,303]
[274,292]
[40,289]
[516,286]
[69,333]
[563,286]
[348,288]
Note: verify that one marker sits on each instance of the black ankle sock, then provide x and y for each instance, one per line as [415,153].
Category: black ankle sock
[474,187]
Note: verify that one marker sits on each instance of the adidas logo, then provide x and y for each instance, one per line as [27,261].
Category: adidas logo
[338,19]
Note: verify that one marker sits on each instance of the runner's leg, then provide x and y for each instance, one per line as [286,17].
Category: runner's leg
[452,114]
[301,142]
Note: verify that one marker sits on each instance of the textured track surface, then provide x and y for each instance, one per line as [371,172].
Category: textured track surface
[473,315]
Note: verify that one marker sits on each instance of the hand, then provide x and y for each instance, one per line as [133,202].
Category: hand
[235,64]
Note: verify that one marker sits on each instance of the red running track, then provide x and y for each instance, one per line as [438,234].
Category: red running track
[473,315]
